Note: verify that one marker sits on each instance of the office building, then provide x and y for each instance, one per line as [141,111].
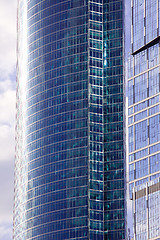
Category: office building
[144,118]
[69,168]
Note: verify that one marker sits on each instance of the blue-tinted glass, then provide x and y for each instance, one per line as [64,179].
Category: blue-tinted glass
[69,170]
[143,133]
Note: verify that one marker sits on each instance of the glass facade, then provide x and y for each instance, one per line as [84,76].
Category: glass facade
[144,116]
[146,210]
[114,222]
[145,22]
[69,167]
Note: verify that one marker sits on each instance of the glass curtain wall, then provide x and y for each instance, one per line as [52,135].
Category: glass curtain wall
[114,214]
[144,117]
[69,172]
[51,196]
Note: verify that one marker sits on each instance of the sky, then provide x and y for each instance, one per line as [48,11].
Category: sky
[7,113]
[7,109]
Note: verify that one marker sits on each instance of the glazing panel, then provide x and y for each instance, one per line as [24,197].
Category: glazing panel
[138,24]
[154,163]
[141,134]
[153,81]
[154,129]
[141,168]
[151,20]
[140,87]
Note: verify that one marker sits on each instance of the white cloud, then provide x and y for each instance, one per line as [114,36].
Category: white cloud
[5,232]
[7,113]
[6,191]
[7,37]
[7,121]
[7,126]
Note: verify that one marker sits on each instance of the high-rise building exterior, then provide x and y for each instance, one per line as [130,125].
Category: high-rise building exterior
[144,118]
[69,168]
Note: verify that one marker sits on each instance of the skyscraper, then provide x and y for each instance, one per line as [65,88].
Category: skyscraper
[69,168]
[144,118]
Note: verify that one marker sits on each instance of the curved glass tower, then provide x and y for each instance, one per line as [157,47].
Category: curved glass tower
[69,168]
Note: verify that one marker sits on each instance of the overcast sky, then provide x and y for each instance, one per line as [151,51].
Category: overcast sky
[7,113]
[7,110]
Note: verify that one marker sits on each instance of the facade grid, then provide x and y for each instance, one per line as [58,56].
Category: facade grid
[144,118]
[69,167]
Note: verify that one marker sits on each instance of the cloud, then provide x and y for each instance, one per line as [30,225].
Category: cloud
[7,126]
[7,120]
[7,78]
[5,232]
[6,190]
[7,37]
[6,165]
[7,113]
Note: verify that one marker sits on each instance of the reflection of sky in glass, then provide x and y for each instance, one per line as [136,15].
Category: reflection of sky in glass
[143,99]
[63,121]
[127,27]
[147,209]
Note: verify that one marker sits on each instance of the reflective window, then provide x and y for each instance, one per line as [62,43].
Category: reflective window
[138,27]
[140,62]
[153,56]
[153,81]
[154,129]
[130,92]
[154,163]
[131,138]
[140,87]
[141,168]
[141,134]
[151,20]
